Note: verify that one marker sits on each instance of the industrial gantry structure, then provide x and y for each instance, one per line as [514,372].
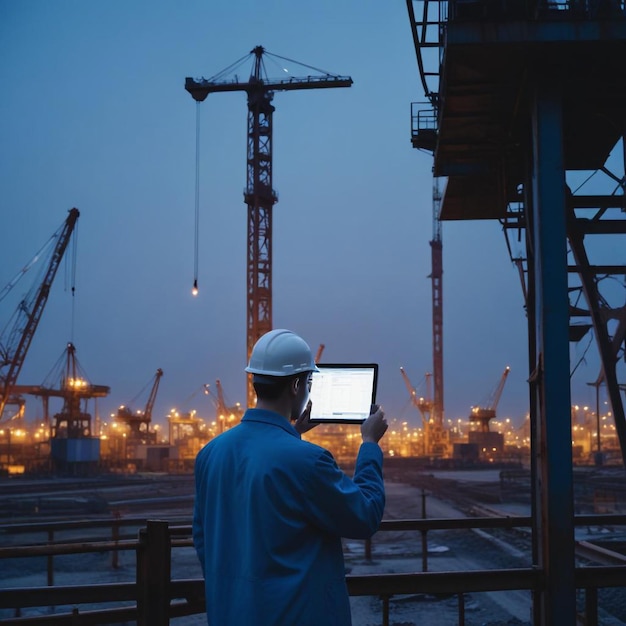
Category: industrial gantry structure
[259,194]
[525,98]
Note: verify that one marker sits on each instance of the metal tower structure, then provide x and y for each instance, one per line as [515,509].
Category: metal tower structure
[436,436]
[259,194]
[67,380]
[511,122]
[436,276]
[73,422]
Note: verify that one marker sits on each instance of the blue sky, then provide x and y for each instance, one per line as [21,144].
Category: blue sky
[94,115]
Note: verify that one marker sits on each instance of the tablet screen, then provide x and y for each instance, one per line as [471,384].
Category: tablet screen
[343,393]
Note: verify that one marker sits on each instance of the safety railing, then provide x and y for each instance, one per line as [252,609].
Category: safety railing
[423,126]
[154,598]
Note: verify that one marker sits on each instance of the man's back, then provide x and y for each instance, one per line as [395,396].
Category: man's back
[270,513]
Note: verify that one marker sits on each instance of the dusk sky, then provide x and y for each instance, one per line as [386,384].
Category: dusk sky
[94,115]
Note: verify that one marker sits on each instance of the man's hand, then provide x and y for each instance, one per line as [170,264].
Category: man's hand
[303,423]
[375,426]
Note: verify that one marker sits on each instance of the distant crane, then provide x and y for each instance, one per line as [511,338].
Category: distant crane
[259,194]
[423,404]
[73,422]
[436,438]
[139,421]
[320,351]
[27,316]
[223,412]
[483,414]
[73,446]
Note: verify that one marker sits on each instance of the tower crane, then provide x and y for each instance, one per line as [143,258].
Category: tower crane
[27,316]
[259,194]
[483,414]
[438,435]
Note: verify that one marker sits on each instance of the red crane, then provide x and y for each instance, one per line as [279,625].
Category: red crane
[259,194]
[436,276]
[28,314]
[320,351]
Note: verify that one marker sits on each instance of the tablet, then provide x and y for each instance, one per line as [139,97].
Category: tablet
[343,392]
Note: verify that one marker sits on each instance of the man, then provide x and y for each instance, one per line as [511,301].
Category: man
[271,508]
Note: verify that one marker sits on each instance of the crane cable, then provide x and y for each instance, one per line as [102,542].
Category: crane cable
[7,288]
[73,262]
[194,289]
[70,278]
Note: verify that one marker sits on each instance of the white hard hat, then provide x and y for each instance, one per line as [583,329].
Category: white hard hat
[281,352]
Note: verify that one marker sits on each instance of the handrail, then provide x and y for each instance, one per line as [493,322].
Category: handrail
[382,585]
[186,597]
[183,524]
[32,527]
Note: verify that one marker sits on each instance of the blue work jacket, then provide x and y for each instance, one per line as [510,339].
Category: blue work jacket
[269,514]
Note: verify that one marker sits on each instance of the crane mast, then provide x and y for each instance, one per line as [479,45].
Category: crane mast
[259,194]
[438,436]
[29,314]
[436,247]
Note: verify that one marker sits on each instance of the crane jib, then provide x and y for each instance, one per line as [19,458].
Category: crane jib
[33,312]
[200,89]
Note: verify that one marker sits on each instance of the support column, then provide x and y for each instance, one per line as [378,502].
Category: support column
[552,454]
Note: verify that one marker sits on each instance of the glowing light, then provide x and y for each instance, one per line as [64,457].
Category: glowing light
[194,290]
